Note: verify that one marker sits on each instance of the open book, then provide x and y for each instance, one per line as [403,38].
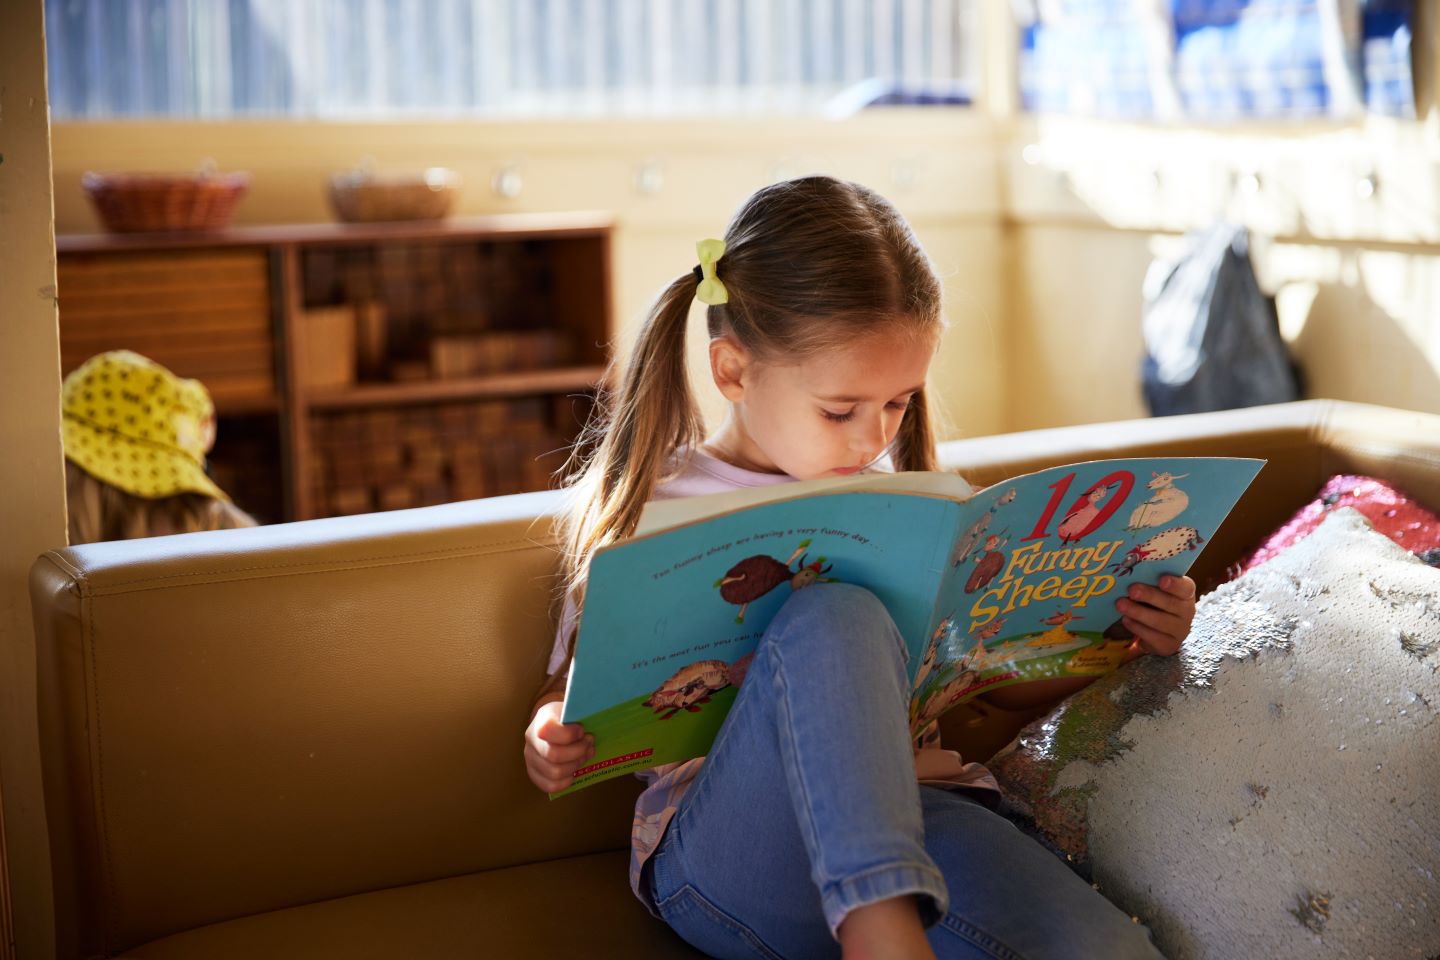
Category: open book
[1003,586]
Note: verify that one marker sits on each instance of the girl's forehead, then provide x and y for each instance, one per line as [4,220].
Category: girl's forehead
[870,368]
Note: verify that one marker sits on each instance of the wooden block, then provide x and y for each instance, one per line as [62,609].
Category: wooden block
[350,500]
[408,371]
[451,356]
[433,493]
[329,351]
[397,497]
[371,330]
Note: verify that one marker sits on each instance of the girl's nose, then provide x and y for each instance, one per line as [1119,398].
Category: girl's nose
[869,438]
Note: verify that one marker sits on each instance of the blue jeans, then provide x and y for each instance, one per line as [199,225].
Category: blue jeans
[807,807]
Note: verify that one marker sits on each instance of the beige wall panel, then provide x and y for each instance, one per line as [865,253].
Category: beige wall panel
[1364,325]
[1346,220]
[652,170]
[32,473]
[1075,354]
[968,376]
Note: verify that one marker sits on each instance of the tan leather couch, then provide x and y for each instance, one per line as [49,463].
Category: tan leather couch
[305,740]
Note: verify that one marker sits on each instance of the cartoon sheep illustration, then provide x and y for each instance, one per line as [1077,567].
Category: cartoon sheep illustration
[1165,504]
[1061,618]
[991,630]
[1074,526]
[1059,634]
[976,534]
[988,564]
[753,577]
[1162,546]
[932,652]
[694,683]
[689,687]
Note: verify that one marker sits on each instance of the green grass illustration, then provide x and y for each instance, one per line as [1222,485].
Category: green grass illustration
[631,726]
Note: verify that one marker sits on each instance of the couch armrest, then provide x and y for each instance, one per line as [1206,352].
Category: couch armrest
[245,720]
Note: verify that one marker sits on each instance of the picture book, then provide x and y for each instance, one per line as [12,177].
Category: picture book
[988,588]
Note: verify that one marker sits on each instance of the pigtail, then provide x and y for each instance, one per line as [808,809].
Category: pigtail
[634,433]
[914,445]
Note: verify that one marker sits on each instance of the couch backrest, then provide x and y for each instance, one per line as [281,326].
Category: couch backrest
[1303,443]
[240,721]
[246,720]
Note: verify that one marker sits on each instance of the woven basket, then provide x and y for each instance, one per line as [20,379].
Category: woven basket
[362,197]
[131,203]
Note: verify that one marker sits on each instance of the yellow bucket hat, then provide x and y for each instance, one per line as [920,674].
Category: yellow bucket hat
[132,423]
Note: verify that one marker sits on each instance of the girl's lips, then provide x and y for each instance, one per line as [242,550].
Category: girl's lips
[846,471]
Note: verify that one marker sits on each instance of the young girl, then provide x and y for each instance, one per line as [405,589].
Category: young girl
[135,438]
[815,826]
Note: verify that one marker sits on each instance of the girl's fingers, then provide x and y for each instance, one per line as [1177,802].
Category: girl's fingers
[553,731]
[555,750]
[549,784]
[565,752]
[1160,599]
[1151,640]
[1156,617]
[549,769]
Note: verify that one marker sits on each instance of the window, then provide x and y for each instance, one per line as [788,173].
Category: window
[1217,60]
[352,59]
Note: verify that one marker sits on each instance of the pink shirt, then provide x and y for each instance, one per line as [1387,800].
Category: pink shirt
[666,784]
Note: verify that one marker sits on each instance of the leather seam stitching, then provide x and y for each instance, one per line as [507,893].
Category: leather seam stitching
[225,576]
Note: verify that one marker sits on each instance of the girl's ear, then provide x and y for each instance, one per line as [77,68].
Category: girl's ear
[729,364]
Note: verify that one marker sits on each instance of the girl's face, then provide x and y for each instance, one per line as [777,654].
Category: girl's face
[830,415]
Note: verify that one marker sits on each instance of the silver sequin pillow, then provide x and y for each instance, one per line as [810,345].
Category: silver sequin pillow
[1274,789]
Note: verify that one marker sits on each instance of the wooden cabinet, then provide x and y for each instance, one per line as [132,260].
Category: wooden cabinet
[363,367]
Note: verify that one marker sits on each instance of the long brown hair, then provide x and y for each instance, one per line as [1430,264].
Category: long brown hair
[99,511]
[809,264]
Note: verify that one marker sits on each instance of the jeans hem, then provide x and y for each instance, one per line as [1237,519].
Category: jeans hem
[883,883]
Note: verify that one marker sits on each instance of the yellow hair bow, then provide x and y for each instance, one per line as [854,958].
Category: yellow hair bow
[710,290]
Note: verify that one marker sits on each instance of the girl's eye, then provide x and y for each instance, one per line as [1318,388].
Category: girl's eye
[838,417]
[899,404]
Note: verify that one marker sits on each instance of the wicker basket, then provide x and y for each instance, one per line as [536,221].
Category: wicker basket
[130,203]
[362,197]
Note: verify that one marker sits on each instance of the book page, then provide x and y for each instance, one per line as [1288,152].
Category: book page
[672,619]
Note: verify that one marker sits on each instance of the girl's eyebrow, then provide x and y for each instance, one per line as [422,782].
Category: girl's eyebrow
[912,390]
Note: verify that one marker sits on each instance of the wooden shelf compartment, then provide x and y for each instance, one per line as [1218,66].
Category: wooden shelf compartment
[524,383]
[468,321]
[391,458]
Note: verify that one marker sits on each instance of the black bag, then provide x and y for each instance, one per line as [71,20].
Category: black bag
[1212,337]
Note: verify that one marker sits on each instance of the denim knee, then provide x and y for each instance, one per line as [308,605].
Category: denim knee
[834,613]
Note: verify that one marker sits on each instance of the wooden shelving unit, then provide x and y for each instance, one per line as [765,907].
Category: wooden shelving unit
[363,367]
[565,380]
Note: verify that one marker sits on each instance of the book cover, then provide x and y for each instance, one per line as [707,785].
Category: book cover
[1011,584]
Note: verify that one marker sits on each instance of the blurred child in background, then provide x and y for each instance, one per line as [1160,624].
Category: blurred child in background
[136,437]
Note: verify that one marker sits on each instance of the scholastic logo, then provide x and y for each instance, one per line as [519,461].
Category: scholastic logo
[614,760]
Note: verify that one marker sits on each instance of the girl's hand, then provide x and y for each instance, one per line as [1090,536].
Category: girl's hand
[555,750]
[1159,616]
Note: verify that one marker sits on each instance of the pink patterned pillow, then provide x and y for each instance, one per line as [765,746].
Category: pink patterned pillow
[1390,511]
